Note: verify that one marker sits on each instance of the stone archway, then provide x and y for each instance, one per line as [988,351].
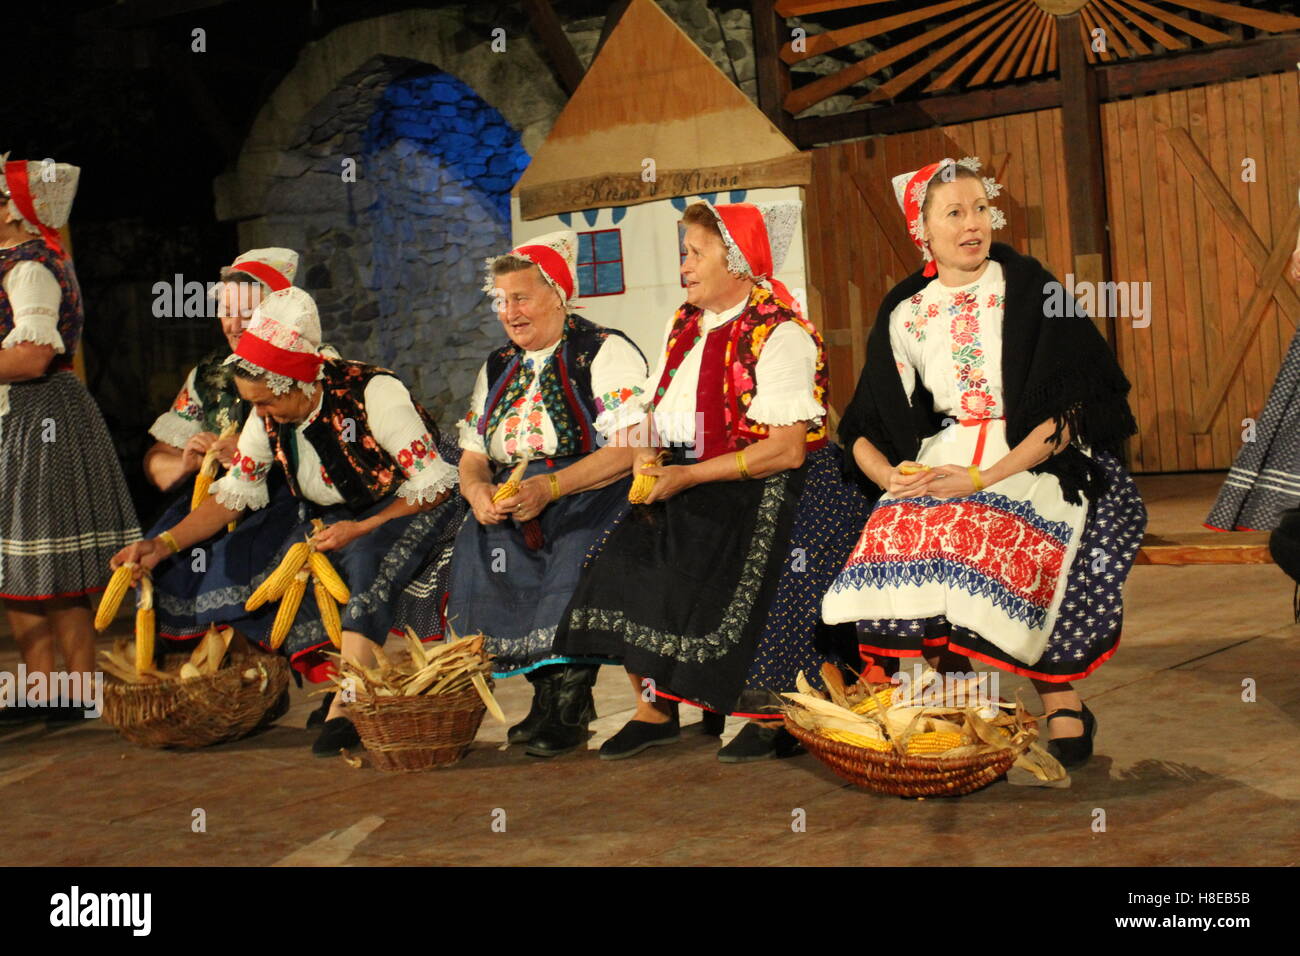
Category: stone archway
[394,254]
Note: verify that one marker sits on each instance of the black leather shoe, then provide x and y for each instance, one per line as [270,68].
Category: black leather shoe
[335,734]
[756,741]
[712,723]
[317,717]
[1073,752]
[639,735]
[545,681]
[564,727]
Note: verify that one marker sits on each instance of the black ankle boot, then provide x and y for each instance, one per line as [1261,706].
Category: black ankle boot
[565,727]
[317,717]
[544,681]
[1074,752]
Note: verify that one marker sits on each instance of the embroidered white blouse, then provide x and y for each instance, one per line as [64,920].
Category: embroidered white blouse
[784,378]
[34,296]
[617,377]
[395,425]
[952,337]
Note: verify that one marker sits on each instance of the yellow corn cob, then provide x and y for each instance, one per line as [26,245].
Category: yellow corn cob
[202,482]
[144,628]
[288,609]
[118,585]
[277,582]
[329,613]
[856,740]
[642,485]
[867,706]
[511,487]
[935,742]
[327,576]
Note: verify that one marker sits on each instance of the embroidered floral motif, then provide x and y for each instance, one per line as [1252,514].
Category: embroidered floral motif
[418,455]
[968,356]
[610,401]
[919,318]
[249,469]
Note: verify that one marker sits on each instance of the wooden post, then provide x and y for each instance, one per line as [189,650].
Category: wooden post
[556,43]
[1081,135]
[771,71]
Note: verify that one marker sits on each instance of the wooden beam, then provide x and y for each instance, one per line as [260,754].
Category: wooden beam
[1115,81]
[612,16]
[887,219]
[1191,27]
[628,189]
[1167,40]
[771,72]
[1206,547]
[568,68]
[1247,326]
[1259,19]
[820,43]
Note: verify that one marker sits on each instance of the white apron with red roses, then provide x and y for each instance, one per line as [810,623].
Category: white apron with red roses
[994,562]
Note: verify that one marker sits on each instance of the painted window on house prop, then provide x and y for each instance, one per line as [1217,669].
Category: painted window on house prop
[600,262]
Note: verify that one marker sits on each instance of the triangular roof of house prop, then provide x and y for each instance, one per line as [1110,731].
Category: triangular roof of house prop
[652,94]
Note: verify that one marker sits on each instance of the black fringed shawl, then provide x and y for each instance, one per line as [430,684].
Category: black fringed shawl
[1052,367]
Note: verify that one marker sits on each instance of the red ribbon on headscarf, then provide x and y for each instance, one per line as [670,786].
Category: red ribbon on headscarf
[912,210]
[272,277]
[20,191]
[745,225]
[550,262]
[302,366]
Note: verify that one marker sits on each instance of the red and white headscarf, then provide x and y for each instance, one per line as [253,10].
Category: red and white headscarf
[275,268]
[283,341]
[910,189]
[42,193]
[555,255]
[757,237]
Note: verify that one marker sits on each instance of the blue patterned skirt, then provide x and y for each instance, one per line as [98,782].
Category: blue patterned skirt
[517,597]
[1087,629]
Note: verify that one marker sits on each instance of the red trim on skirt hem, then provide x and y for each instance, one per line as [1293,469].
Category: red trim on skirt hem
[738,713]
[51,597]
[1002,665]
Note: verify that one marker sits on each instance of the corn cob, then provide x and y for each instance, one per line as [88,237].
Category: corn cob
[912,469]
[856,740]
[935,742]
[208,469]
[328,577]
[144,627]
[868,705]
[511,487]
[118,585]
[329,613]
[277,582]
[642,485]
[288,608]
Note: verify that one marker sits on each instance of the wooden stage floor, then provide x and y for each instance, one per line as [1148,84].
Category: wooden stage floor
[1186,772]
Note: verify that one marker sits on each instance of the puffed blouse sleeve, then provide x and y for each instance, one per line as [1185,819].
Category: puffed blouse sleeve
[34,296]
[398,428]
[183,420]
[467,427]
[244,485]
[784,379]
[618,376]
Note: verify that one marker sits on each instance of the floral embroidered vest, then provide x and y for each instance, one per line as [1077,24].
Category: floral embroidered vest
[359,467]
[565,382]
[726,385]
[215,392]
[71,316]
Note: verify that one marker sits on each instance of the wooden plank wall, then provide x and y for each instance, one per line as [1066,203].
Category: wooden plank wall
[1163,231]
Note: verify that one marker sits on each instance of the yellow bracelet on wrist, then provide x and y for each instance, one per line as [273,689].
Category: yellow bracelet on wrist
[168,539]
[555,485]
[975,477]
[740,465]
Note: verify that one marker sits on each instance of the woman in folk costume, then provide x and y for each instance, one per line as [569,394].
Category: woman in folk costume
[557,397]
[709,593]
[192,590]
[64,507]
[359,454]
[1013,544]
[1264,481]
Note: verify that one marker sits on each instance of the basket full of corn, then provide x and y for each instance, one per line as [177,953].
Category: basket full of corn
[929,738]
[221,691]
[419,710]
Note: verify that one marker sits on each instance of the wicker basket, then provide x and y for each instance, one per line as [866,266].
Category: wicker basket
[406,734]
[901,776]
[198,712]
